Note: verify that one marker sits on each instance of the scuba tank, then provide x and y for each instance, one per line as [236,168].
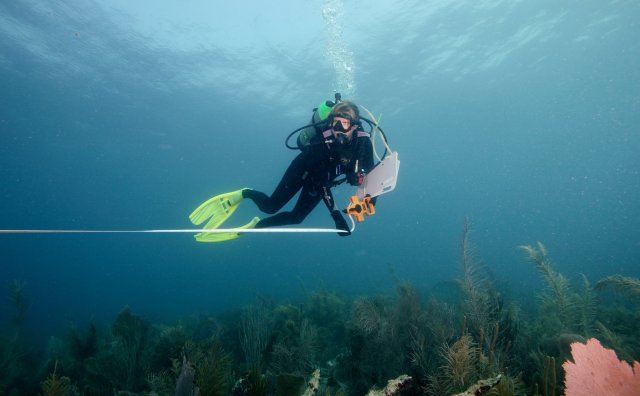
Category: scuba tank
[318,118]
[319,114]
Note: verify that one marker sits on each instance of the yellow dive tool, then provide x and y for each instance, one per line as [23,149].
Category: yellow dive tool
[359,207]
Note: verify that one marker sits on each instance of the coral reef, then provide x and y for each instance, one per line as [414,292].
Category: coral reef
[463,337]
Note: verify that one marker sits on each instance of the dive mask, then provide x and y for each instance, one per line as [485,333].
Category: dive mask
[342,128]
[341,123]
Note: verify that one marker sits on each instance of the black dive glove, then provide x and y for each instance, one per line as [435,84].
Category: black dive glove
[356,178]
[341,223]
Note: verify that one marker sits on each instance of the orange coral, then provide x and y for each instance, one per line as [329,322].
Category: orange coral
[597,371]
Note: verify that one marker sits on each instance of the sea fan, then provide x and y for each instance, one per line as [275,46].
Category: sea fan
[597,371]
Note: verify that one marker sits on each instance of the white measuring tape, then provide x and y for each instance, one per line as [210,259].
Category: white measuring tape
[187,231]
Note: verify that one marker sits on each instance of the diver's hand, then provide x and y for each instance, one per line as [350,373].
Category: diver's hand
[341,223]
[356,178]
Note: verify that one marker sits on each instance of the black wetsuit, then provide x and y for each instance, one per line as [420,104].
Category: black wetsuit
[314,171]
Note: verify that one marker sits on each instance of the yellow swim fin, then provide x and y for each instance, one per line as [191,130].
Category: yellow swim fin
[217,209]
[224,236]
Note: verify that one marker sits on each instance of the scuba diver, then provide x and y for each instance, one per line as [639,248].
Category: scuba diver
[334,144]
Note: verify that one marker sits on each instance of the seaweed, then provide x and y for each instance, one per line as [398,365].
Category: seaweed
[255,331]
[132,335]
[327,312]
[587,305]
[485,315]
[295,347]
[407,320]
[371,342]
[12,367]
[124,363]
[82,348]
[55,385]
[441,324]
[477,303]
[559,303]
[19,302]
[15,356]
[507,386]
[213,371]
[460,360]
[168,346]
[621,284]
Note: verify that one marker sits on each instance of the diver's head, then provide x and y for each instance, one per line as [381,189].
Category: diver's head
[344,120]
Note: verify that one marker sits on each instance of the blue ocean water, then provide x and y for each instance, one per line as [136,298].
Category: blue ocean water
[522,116]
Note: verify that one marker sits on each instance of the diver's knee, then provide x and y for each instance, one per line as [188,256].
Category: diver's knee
[297,218]
[269,209]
